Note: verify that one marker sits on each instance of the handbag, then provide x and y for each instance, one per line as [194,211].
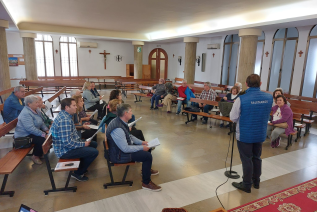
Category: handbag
[22,142]
[281,125]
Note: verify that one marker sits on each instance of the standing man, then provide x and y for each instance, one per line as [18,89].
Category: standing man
[207,94]
[251,113]
[14,104]
[67,143]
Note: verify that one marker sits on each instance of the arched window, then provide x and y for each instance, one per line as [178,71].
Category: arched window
[259,55]
[283,59]
[68,49]
[44,56]
[230,59]
[309,86]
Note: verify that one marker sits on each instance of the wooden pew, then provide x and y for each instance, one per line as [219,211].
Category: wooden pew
[132,85]
[12,159]
[56,95]
[46,148]
[5,92]
[34,91]
[177,79]
[53,83]
[1,110]
[300,98]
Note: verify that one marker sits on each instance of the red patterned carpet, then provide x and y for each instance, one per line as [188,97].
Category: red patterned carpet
[299,198]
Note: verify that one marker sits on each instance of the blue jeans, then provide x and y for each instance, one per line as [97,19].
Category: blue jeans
[146,159]
[86,155]
[155,98]
[206,109]
[179,104]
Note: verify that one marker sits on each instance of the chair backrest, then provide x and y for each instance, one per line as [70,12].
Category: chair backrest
[47,144]
[312,106]
[8,127]
[1,109]
[34,91]
[208,102]
[57,94]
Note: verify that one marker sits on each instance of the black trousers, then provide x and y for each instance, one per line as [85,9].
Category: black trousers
[101,109]
[88,133]
[250,155]
[146,159]
[38,142]
[138,134]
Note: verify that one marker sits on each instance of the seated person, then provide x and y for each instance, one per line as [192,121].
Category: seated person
[181,93]
[67,143]
[282,113]
[233,95]
[207,94]
[171,96]
[92,102]
[278,91]
[116,94]
[75,92]
[159,93]
[41,110]
[14,104]
[239,85]
[84,131]
[124,147]
[93,90]
[30,124]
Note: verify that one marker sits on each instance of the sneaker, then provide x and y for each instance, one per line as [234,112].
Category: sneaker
[151,187]
[156,108]
[168,111]
[153,172]
[36,160]
[177,113]
[151,108]
[277,142]
[241,187]
[80,178]
[204,122]
[160,105]
[221,125]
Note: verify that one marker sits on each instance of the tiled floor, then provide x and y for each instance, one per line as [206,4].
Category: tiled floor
[190,159]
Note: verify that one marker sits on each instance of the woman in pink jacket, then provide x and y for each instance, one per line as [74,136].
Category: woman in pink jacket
[282,113]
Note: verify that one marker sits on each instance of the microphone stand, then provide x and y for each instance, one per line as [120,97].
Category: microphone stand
[232,174]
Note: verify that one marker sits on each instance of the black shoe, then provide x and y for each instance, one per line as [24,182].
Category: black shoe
[221,125]
[156,108]
[204,122]
[81,178]
[241,187]
[151,108]
[256,186]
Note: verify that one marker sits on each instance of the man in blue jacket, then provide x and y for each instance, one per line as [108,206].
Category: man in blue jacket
[14,104]
[251,113]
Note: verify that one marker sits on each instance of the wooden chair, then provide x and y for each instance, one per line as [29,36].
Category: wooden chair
[46,147]
[112,183]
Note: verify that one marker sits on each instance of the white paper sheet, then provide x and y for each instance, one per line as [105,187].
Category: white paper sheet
[132,123]
[93,113]
[155,142]
[61,166]
[93,126]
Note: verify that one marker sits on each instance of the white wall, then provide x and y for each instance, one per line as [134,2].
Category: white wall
[92,64]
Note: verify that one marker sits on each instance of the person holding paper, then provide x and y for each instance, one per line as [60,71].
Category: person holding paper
[67,143]
[91,102]
[181,93]
[84,131]
[93,90]
[124,147]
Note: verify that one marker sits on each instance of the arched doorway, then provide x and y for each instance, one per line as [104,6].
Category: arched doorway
[158,60]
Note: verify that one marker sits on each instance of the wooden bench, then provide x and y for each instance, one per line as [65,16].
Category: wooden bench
[177,79]
[112,183]
[12,159]
[5,92]
[52,98]
[134,85]
[1,110]
[46,148]
[70,84]
[140,95]
[34,91]
[300,98]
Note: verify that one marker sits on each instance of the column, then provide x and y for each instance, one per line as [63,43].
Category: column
[29,55]
[248,45]
[5,82]
[190,58]
[138,58]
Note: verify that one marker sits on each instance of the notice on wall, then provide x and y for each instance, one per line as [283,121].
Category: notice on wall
[16,59]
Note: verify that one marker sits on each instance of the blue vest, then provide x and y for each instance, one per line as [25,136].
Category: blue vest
[255,112]
[116,155]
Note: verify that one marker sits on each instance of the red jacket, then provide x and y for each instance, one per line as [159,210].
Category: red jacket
[181,91]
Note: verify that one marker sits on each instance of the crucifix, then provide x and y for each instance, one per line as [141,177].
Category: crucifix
[267,53]
[300,53]
[213,54]
[105,56]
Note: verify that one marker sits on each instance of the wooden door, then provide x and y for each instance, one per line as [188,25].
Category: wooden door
[158,60]
[146,72]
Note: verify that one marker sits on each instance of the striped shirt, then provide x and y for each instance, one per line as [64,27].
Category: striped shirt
[208,95]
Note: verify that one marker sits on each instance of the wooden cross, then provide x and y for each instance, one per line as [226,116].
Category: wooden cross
[213,54]
[300,53]
[267,53]
[105,56]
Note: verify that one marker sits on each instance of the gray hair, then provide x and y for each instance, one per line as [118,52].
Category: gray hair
[73,92]
[240,85]
[185,81]
[208,83]
[30,99]
[18,88]
[122,108]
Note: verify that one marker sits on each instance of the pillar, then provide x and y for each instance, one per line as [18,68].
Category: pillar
[29,55]
[138,58]
[248,45]
[5,82]
[190,58]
